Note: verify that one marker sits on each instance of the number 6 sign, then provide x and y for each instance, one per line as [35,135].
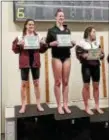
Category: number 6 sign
[20,13]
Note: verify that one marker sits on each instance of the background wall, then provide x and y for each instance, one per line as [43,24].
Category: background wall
[10,72]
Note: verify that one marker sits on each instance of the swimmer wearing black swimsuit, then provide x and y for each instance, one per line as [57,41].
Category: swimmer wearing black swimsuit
[61,53]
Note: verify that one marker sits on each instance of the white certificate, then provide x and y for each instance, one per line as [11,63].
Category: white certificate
[64,40]
[31,42]
[94,54]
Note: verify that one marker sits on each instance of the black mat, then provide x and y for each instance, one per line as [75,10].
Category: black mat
[76,113]
[100,117]
[31,110]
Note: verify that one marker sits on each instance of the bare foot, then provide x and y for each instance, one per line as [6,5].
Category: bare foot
[40,108]
[67,110]
[60,110]
[22,110]
[89,111]
[100,111]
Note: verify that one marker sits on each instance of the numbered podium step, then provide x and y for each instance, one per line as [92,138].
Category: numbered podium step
[49,125]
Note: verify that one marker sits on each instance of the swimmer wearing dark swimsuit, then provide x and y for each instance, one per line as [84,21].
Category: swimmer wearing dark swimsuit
[90,68]
[61,53]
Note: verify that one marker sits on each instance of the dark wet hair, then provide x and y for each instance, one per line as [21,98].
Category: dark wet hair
[88,31]
[24,28]
[58,10]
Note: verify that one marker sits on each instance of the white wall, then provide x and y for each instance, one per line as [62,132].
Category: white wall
[11,74]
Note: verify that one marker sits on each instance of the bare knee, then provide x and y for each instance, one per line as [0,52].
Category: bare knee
[36,83]
[58,82]
[65,82]
[86,87]
[25,84]
[95,86]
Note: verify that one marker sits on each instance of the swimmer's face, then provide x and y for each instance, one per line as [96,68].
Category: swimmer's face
[60,17]
[93,34]
[30,26]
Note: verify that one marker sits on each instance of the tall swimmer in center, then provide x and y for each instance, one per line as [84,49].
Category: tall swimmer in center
[61,61]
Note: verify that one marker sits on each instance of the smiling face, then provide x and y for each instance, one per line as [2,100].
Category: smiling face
[30,26]
[60,17]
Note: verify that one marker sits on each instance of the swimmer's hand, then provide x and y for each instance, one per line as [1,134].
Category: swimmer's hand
[54,43]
